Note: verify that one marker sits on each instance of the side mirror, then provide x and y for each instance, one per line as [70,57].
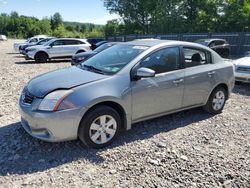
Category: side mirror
[144,73]
[51,45]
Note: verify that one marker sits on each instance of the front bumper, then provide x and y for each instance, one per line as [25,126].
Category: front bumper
[29,55]
[21,51]
[50,126]
[242,77]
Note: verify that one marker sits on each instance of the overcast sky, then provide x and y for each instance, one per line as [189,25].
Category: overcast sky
[92,11]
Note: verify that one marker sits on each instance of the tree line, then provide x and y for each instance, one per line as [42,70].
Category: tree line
[19,26]
[177,16]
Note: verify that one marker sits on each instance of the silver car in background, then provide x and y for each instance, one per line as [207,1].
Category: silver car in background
[57,48]
[242,69]
[31,40]
[122,85]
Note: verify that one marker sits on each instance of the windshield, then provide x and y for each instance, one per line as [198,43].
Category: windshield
[203,42]
[113,59]
[49,42]
[42,42]
[103,47]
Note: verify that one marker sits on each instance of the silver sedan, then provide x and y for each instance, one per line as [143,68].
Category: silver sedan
[122,85]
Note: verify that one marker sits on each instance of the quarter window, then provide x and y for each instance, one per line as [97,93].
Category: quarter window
[194,57]
[164,60]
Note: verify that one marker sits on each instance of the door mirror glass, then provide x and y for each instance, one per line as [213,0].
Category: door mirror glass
[144,73]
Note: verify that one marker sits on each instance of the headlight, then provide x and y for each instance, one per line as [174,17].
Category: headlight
[54,100]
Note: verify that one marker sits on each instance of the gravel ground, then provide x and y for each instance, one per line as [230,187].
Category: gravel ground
[187,149]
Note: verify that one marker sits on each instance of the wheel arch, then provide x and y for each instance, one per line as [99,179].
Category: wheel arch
[80,51]
[224,85]
[41,51]
[116,106]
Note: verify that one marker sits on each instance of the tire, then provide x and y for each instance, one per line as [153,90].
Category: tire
[41,57]
[91,131]
[216,101]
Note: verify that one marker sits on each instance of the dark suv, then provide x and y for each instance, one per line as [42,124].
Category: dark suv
[221,46]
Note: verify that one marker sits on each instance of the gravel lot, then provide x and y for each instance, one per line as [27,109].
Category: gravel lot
[187,149]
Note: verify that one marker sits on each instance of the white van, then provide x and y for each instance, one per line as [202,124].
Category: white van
[3,38]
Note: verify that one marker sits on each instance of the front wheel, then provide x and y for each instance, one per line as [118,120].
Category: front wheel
[41,58]
[100,127]
[216,101]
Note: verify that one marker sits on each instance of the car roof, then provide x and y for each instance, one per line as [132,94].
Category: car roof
[155,42]
[210,40]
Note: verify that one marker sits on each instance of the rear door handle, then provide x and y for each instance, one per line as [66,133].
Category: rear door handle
[178,81]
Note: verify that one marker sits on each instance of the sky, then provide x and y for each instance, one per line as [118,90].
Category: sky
[85,11]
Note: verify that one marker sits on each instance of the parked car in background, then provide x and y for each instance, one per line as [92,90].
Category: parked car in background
[247,54]
[3,38]
[81,57]
[32,40]
[94,46]
[124,84]
[57,48]
[221,46]
[242,69]
[94,41]
[23,47]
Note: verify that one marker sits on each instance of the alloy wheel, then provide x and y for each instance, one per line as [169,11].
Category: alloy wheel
[103,129]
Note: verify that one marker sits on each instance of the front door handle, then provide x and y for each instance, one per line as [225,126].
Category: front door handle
[176,82]
[211,73]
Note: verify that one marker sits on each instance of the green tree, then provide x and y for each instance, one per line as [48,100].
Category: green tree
[56,21]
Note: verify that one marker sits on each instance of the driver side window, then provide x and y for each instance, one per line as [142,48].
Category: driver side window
[57,43]
[164,60]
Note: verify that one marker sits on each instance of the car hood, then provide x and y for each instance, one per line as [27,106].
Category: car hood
[61,79]
[245,61]
[84,54]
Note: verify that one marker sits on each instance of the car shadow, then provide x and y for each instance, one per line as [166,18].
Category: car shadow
[34,62]
[12,53]
[22,154]
[19,56]
[242,88]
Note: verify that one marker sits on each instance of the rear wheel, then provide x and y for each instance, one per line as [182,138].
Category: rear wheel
[216,101]
[100,127]
[41,57]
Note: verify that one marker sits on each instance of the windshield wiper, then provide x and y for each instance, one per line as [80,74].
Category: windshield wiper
[94,69]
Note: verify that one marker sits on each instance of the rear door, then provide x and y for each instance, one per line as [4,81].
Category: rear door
[200,76]
[71,47]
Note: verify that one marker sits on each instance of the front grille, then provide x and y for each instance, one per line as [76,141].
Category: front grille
[27,97]
[243,69]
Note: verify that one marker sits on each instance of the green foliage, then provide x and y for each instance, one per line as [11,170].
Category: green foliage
[179,16]
[15,26]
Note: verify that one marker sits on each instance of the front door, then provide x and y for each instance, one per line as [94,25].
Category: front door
[162,93]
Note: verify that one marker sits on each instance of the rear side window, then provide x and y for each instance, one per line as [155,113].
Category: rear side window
[195,57]
[219,42]
[72,42]
[164,60]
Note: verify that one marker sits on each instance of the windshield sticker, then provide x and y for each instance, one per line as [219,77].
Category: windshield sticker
[140,47]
